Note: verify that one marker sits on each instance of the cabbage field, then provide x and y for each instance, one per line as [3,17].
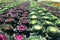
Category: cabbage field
[29,20]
